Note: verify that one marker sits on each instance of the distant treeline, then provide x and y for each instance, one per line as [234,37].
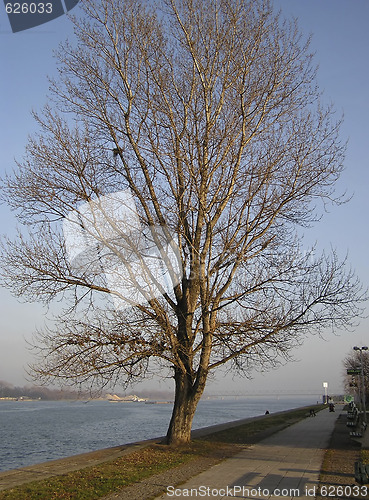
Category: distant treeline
[34,392]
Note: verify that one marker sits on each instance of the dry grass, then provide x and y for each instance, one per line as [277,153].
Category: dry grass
[338,468]
[95,482]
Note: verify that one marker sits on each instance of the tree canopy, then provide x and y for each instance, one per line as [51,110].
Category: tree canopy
[183,147]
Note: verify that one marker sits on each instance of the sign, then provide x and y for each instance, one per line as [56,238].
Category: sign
[354,371]
[348,398]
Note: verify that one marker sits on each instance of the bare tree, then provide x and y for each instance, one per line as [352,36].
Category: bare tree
[354,382]
[202,120]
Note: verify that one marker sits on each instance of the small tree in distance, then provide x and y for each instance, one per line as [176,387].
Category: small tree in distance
[353,383]
[206,116]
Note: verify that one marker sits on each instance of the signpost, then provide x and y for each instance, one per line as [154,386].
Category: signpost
[363,388]
[354,371]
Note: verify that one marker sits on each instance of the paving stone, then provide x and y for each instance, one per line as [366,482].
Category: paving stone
[285,465]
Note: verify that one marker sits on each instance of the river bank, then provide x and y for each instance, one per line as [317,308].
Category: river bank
[35,432]
[228,437]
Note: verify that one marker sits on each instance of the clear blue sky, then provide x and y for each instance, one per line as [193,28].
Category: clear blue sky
[341,41]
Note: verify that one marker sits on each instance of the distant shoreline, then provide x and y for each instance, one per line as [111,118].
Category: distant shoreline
[19,399]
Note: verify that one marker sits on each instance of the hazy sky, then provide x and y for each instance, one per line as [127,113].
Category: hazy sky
[341,41]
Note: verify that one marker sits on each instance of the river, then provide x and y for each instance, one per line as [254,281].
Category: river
[36,431]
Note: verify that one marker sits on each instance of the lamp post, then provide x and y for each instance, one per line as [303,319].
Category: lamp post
[325,385]
[361,349]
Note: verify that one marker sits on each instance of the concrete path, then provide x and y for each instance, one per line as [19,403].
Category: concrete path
[285,465]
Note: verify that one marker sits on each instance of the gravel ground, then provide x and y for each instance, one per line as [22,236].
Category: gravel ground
[155,485]
[337,476]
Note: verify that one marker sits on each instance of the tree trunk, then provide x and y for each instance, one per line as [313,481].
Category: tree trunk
[187,395]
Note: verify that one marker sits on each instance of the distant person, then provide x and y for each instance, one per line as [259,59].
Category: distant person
[312,413]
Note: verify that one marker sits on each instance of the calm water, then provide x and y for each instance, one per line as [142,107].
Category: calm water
[37,431]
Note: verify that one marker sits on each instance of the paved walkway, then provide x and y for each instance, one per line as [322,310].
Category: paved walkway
[285,465]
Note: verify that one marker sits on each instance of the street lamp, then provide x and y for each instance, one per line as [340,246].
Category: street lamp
[325,385]
[361,349]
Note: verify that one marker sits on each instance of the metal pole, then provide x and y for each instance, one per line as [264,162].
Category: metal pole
[363,382]
[325,385]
